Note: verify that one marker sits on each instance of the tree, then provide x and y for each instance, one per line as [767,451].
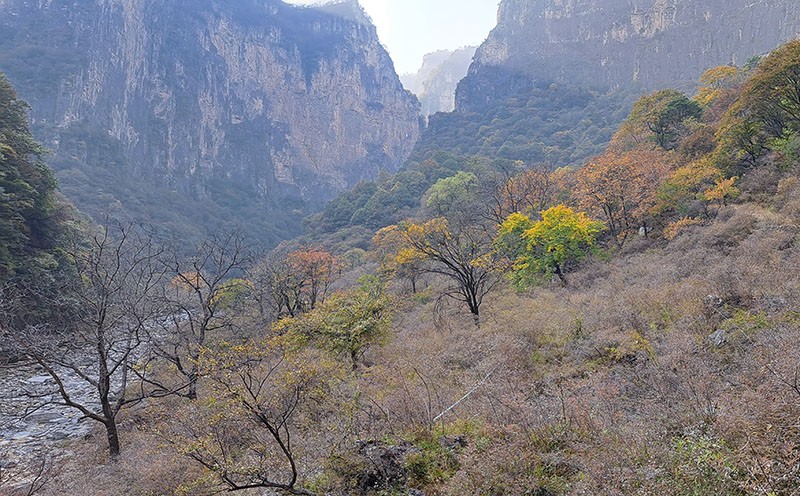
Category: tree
[276,289]
[193,312]
[292,284]
[715,81]
[316,269]
[398,261]
[464,256]
[550,246]
[27,185]
[347,323]
[248,432]
[688,190]
[621,188]
[531,192]
[453,195]
[769,105]
[113,302]
[33,222]
[15,480]
[657,117]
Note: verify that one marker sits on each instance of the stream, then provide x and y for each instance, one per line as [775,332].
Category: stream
[32,429]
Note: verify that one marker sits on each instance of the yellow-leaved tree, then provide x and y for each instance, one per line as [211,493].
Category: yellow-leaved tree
[550,246]
[717,80]
[464,255]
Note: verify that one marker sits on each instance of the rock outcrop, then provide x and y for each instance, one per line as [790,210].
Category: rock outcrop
[435,82]
[610,44]
[254,97]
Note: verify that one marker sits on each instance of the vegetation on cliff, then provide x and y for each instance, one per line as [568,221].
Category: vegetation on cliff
[627,327]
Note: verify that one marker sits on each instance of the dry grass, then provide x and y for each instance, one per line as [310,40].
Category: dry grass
[610,386]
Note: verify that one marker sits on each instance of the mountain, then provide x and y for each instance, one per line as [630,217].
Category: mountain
[194,114]
[435,82]
[555,79]
[610,44]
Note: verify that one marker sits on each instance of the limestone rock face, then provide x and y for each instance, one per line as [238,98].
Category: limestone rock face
[608,44]
[436,81]
[289,101]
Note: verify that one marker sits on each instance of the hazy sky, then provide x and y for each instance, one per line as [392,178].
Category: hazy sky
[411,28]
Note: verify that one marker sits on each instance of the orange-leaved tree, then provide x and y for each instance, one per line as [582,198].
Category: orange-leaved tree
[316,269]
[621,188]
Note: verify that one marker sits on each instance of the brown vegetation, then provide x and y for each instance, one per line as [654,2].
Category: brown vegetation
[670,365]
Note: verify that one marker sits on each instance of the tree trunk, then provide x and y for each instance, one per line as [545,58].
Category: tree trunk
[191,390]
[113,437]
[474,309]
[561,276]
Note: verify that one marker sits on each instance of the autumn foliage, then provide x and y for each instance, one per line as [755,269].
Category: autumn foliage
[620,189]
[551,246]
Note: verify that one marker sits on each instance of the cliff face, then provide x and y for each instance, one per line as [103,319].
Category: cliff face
[435,83]
[289,101]
[609,44]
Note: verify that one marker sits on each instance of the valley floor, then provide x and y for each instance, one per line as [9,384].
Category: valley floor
[672,369]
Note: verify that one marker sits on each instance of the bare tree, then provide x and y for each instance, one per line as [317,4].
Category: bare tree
[277,289]
[193,306]
[291,284]
[248,435]
[111,297]
[464,255]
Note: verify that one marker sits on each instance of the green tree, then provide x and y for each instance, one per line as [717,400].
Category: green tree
[768,108]
[454,195]
[347,323]
[657,117]
[550,246]
[27,223]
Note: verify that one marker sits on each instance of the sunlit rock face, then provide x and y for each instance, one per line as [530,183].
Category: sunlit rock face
[609,44]
[288,100]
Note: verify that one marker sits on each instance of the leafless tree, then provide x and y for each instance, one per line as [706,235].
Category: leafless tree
[25,481]
[286,285]
[277,289]
[116,276]
[248,436]
[528,192]
[193,313]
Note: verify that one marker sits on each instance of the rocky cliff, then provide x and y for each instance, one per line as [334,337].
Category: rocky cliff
[221,100]
[609,44]
[435,82]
